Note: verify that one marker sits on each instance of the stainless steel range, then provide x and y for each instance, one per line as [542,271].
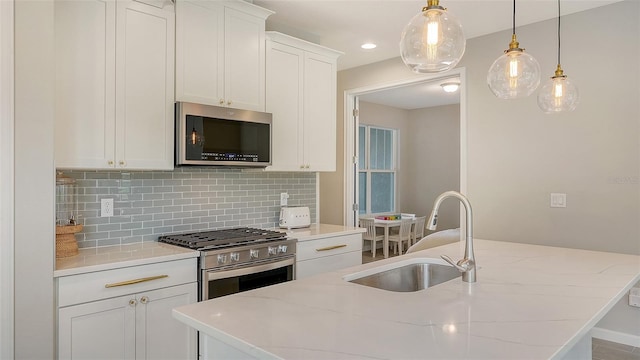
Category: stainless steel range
[239,259]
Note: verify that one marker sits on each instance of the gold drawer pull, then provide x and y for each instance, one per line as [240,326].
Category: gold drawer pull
[136,281]
[332,247]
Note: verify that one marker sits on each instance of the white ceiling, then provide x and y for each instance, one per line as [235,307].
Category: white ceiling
[415,96]
[344,25]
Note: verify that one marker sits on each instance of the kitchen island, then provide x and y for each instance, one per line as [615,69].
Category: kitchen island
[533,302]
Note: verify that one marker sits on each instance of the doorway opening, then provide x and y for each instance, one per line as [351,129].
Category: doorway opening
[412,179]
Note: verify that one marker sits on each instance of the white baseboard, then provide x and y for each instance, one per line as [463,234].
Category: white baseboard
[615,336]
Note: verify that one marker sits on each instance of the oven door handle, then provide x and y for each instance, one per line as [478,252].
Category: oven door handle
[218,274]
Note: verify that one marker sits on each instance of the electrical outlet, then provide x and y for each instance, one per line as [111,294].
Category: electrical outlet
[106,207]
[634,297]
[284,198]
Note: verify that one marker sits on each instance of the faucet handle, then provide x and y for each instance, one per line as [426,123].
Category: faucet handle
[463,265]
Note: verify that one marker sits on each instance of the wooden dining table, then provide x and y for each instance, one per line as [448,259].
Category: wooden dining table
[386,225]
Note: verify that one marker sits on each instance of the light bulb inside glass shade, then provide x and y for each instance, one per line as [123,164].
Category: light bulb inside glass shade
[513,75]
[433,41]
[558,94]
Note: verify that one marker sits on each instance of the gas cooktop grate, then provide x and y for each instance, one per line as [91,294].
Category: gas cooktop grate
[217,239]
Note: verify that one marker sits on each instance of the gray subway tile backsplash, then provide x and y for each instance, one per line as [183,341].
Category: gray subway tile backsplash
[148,204]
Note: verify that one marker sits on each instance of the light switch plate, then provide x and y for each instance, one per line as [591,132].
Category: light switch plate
[558,200]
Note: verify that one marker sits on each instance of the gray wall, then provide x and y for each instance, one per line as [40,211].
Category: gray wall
[517,155]
[429,156]
[153,203]
[434,162]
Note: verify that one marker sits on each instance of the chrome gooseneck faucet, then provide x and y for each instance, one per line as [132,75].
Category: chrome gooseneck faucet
[466,266]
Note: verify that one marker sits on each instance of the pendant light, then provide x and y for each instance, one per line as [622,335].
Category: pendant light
[433,40]
[515,74]
[558,93]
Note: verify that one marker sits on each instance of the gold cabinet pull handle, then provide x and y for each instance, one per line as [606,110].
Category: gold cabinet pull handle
[135,281]
[332,247]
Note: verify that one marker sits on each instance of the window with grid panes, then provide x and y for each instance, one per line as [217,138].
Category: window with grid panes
[377,151]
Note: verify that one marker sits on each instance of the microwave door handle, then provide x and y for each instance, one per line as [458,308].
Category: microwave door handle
[250,269]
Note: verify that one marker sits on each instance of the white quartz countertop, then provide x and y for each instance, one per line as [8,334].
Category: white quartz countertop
[530,301]
[113,257]
[317,231]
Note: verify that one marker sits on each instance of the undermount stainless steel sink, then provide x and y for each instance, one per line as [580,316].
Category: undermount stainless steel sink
[406,276]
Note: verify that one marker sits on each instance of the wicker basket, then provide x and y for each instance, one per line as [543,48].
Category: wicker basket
[66,244]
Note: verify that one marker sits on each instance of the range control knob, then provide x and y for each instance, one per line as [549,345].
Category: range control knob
[222,258]
[272,250]
[282,249]
[254,254]
[235,256]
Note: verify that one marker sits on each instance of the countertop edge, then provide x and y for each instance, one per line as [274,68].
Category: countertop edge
[126,263]
[321,231]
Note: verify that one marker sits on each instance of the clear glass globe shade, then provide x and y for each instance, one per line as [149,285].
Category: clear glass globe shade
[558,94]
[513,75]
[433,41]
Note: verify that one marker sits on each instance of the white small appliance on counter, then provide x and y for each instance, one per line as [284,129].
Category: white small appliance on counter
[294,217]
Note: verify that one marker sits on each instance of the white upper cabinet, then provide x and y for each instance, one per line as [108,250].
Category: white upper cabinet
[114,84]
[301,95]
[220,53]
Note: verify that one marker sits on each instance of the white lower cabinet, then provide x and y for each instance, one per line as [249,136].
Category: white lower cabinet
[135,325]
[328,254]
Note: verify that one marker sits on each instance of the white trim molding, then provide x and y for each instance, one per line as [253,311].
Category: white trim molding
[350,121]
[615,336]
[6,180]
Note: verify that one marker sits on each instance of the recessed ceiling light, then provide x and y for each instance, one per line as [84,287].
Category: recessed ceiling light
[368,46]
[450,86]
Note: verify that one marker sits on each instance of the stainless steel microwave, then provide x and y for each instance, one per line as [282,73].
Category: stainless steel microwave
[222,136]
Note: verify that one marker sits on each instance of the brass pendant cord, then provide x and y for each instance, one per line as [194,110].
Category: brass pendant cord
[514,18]
[558,32]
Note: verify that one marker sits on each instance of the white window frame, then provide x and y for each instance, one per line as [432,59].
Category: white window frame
[367,167]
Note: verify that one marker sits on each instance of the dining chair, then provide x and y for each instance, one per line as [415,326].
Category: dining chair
[404,234]
[370,234]
[417,232]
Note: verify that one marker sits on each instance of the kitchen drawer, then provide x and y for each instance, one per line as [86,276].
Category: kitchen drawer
[76,289]
[328,246]
[324,264]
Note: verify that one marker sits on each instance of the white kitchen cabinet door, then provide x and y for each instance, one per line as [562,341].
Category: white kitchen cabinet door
[114,84]
[136,326]
[220,54]
[284,102]
[200,52]
[319,112]
[145,86]
[158,334]
[85,83]
[301,95]
[102,329]
[244,82]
